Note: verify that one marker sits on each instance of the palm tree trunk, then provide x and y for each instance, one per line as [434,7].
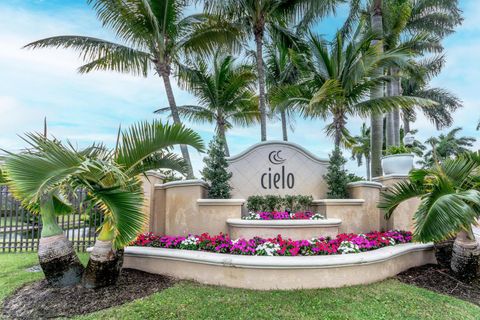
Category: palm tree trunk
[367,163]
[221,133]
[105,263]
[164,71]
[339,122]
[377,119]
[465,256]
[56,255]
[283,115]
[261,83]
[389,130]
[396,91]
[396,126]
[406,124]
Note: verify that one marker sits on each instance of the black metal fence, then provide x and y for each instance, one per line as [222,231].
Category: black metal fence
[20,229]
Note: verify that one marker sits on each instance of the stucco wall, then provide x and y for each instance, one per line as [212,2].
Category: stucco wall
[350,211]
[285,273]
[293,229]
[402,217]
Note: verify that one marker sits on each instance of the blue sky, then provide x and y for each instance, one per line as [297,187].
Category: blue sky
[86,108]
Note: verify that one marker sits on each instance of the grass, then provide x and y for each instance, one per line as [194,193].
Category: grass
[13,271]
[389,299]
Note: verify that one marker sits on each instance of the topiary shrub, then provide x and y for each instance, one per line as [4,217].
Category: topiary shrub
[215,172]
[337,177]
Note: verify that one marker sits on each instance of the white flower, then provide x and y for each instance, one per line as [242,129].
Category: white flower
[252,216]
[348,247]
[191,240]
[267,248]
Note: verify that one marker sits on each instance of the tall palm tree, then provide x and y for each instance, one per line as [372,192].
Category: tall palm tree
[395,22]
[376,119]
[447,146]
[225,91]
[361,148]
[405,22]
[256,17]
[44,177]
[450,204]
[154,35]
[336,80]
[280,71]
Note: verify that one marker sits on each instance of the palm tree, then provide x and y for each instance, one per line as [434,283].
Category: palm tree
[255,17]
[143,147]
[424,24]
[398,23]
[154,35]
[450,204]
[226,94]
[361,148]
[43,179]
[447,146]
[38,178]
[376,92]
[478,125]
[280,71]
[336,80]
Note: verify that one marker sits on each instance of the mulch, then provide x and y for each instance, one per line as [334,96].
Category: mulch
[434,278]
[40,301]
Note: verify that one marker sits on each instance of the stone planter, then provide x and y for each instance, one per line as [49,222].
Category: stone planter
[397,164]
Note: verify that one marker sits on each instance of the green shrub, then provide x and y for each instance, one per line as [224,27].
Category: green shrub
[291,203]
[337,176]
[396,150]
[215,172]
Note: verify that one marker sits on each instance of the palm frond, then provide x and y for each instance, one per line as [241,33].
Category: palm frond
[399,193]
[122,209]
[143,139]
[385,104]
[100,54]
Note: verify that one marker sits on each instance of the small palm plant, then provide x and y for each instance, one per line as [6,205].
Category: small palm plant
[450,205]
[40,178]
[44,177]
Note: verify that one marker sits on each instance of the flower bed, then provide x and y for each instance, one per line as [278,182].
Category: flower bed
[283,215]
[341,244]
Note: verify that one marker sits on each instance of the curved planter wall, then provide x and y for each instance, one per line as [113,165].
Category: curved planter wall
[293,229]
[267,273]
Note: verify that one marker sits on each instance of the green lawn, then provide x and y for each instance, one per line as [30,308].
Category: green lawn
[385,300]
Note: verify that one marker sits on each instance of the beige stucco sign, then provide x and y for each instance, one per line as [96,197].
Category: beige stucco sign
[276,167]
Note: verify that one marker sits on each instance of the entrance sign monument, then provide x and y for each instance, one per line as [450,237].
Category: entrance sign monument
[277,167]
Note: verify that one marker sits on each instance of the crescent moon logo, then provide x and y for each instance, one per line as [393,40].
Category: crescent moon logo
[275,158]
